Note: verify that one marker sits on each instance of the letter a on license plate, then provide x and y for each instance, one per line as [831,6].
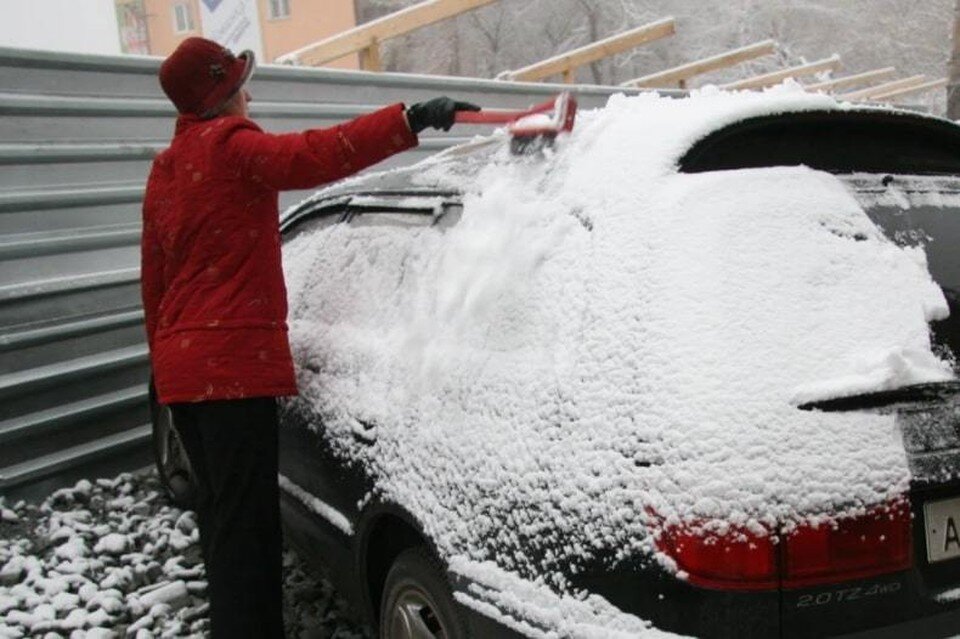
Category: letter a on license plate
[942,522]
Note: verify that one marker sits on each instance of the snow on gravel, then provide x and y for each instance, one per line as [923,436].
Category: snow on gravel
[112,559]
[602,346]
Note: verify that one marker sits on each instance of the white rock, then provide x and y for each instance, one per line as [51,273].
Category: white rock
[76,619]
[101,633]
[119,578]
[9,516]
[22,591]
[13,571]
[45,612]
[64,602]
[198,586]
[7,603]
[20,618]
[140,625]
[174,594]
[74,548]
[61,534]
[114,544]
[112,605]
[75,567]
[186,523]
[172,631]
[160,611]
[99,618]
[10,632]
[83,487]
[136,608]
[87,592]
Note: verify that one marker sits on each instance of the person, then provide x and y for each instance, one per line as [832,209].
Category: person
[215,303]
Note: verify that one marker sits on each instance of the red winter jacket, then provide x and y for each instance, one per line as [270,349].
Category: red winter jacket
[212,285]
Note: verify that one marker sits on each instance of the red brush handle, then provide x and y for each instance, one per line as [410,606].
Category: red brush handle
[502,117]
[487,117]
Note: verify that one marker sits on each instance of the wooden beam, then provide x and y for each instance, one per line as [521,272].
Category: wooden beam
[370,57]
[721,61]
[871,92]
[920,88]
[367,36]
[852,80]
[770,79]
[567,63]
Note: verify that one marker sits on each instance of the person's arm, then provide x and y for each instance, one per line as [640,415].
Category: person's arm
[317,156]
[151,276]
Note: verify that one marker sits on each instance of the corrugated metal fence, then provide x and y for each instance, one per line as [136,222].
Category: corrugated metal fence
[77,135]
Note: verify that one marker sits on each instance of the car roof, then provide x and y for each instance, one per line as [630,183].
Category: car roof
[816,131]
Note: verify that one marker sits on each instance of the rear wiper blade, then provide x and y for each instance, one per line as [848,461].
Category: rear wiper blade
[888,401]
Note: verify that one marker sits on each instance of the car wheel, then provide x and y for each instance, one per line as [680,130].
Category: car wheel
[173,466]
[417,600]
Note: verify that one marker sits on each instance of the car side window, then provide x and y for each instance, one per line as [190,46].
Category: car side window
[442,215]
[391,219]
[313,222]
[364,269]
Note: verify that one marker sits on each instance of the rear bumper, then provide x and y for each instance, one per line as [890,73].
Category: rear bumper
[884,606]
[935,627]
[896,605]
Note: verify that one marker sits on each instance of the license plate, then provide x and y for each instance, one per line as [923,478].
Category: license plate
[942,521]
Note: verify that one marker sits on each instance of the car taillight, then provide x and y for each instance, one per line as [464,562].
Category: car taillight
[875,543]
[872,544]
[735,560]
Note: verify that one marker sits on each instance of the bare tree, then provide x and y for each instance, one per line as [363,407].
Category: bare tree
[510,34]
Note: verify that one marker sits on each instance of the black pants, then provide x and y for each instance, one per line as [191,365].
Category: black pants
[232,446]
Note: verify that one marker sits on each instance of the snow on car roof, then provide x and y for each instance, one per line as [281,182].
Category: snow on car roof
[669,128]
[602,345]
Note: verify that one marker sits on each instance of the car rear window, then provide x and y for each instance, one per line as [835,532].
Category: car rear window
[921,211]
[838,142]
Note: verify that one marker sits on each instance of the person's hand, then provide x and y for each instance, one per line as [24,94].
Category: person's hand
[438,113]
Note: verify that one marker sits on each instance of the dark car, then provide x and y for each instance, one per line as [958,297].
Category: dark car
[541,399]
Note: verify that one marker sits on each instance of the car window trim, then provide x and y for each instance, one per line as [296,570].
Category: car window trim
[344,205]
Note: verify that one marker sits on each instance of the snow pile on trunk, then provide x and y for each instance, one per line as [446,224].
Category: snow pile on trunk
[601,345]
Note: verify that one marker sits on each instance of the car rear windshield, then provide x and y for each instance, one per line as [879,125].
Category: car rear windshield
[924,211]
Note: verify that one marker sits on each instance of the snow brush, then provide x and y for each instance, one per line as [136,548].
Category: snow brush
[533,129]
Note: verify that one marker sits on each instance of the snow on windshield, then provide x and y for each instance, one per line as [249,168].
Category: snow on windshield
[602,344]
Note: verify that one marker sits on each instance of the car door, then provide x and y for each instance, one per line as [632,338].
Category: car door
[324,482]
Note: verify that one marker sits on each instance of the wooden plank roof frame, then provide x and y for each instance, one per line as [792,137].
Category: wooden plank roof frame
[680,74]
[770,79]
[873,92]
[366,38]
[920,88]
[852,80]
[567,63]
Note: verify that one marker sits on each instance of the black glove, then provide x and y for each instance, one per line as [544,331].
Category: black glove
[438,113]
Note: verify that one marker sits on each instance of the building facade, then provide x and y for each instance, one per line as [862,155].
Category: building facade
[269,27]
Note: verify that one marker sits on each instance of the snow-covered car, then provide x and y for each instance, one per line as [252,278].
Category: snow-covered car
[690,370]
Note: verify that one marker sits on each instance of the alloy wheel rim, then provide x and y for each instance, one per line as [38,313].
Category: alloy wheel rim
[414,616]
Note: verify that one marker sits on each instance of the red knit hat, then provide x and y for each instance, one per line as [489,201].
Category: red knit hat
[200,76]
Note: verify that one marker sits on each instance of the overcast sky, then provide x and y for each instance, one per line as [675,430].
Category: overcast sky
[83,26]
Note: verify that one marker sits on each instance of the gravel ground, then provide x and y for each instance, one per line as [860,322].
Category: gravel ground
[113,559]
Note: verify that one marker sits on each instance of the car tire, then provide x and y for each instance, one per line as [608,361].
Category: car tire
[417,601]
[170,457]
